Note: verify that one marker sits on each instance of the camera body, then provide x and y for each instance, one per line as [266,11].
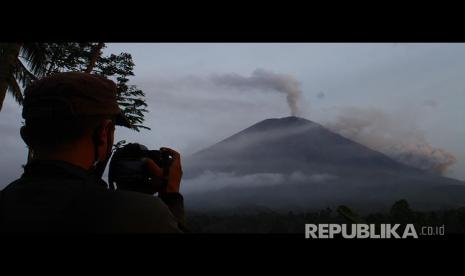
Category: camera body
[128,171]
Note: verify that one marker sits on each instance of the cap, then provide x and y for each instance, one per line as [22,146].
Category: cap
[72,94]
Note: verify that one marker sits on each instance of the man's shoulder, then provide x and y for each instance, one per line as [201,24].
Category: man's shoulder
[86,197]
[87,193]
[85,206]
[41,190]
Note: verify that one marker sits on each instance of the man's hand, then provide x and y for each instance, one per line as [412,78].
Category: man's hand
[174,174]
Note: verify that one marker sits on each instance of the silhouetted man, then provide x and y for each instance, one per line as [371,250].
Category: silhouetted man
[70,121]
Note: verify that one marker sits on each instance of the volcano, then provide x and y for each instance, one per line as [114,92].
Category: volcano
[292,163]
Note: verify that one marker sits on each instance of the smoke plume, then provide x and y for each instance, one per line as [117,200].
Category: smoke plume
[267,81]
[393,136]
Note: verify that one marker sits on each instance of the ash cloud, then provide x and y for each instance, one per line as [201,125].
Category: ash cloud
[393,136]
[267,81]
[424,156]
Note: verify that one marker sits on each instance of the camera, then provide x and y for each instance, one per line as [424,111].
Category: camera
[128,170]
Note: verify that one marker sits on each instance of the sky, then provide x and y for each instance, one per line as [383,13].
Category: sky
[417,87]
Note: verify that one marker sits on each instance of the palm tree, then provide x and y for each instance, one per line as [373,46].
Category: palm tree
[14,73]
[20,64]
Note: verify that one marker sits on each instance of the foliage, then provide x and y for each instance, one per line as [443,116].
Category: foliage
[20,64]
[293,222]
[65,57]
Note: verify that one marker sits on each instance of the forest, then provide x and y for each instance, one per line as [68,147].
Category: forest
[294,222]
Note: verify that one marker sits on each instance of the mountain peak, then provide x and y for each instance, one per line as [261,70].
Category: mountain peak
[290,122]
[292,144]
[292,160]
[289,119]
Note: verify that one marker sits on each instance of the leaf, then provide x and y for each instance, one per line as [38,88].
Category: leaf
[15,90]
[23,75]
[36,57]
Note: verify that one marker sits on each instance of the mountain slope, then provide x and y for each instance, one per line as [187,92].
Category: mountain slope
[291,162]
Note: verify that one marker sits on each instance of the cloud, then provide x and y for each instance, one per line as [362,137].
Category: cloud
[430,103]
[210,181]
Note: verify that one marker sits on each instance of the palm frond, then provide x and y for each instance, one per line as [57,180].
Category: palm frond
[23,75]
[15,90]
[36,57]
[8,57]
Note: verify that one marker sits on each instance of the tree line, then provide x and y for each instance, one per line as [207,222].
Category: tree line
[294,222]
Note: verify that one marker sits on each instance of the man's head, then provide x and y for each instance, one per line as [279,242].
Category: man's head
[71,116]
